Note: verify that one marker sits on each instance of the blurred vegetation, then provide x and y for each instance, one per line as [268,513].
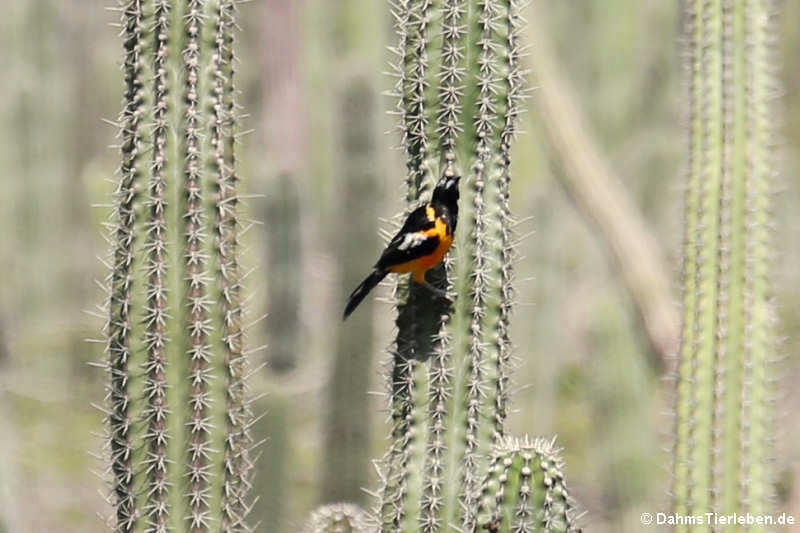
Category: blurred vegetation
[585,373]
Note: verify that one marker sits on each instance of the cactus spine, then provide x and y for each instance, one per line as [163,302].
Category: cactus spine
[723,411]
[178,434]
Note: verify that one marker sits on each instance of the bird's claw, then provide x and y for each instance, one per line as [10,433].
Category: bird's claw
[435,290]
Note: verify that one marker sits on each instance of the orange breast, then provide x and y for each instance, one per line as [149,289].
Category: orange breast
[419,266]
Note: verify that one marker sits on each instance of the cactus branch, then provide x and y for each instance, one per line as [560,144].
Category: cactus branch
[590,182]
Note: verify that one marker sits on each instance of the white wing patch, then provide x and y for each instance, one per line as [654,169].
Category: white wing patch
[411,240]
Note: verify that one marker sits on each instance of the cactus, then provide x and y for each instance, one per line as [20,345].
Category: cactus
[723,410]
[524,489]
[459,87]
[348,421]
[282,218]
[177,416]
[338,518]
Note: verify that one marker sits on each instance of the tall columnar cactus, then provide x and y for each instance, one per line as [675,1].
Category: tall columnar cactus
[282,219]
[177,415]
[723,412]
[347,432]
[459,88]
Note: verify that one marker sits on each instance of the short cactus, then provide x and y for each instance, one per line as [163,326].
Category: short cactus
[723,412]
[178,429]
[524,489]
[338,518]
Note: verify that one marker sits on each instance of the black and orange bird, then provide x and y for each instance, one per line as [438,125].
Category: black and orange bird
[420,244]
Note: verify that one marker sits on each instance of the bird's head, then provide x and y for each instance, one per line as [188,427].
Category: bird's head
[446,191]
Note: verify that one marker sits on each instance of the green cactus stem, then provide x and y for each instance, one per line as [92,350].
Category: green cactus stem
[723,411]
[178,428]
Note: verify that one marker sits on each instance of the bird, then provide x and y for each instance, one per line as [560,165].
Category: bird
[421,243]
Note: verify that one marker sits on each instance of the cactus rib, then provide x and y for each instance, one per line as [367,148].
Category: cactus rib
[513,108]
[484,131]
[196,275]
[439,377]
[118,327]
[237,462]
[156,411]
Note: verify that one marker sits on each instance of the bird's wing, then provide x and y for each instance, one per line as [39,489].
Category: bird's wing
[419,219]
[410,243]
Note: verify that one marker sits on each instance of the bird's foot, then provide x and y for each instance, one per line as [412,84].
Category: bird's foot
[435,290]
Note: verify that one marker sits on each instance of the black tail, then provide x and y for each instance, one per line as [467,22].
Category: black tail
[362,290]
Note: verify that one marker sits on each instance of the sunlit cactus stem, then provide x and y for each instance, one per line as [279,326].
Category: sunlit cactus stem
[724,409]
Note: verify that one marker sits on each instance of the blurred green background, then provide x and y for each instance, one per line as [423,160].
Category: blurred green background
[586,374]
